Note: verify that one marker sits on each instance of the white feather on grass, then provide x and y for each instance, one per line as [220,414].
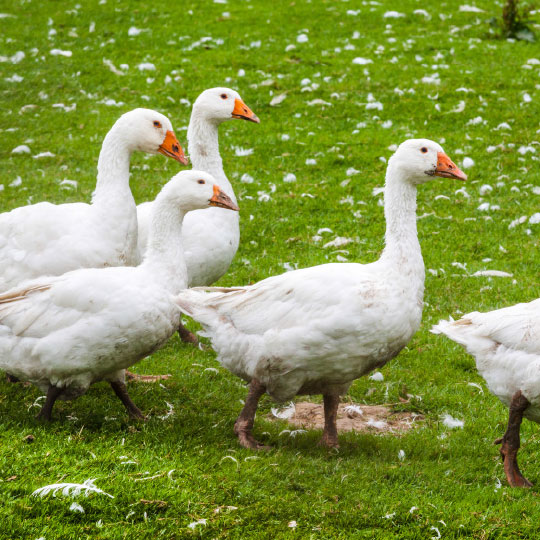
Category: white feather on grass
[293,433]
[491,273]
[451,422]
[193,524]
[37,402]
[377,424]
[76,507]
[232,459]
[70,489]
[476,386]
[285,413]
[169,413]
[353,410]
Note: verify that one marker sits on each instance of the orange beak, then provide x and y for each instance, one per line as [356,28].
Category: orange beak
[222,200]
[242,111]
[447,168]
[171,148]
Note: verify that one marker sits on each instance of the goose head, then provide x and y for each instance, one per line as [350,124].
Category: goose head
[219,104]
[149,131]
[419,160]
[194,190]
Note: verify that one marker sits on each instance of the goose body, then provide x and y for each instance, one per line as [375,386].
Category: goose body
[315,330]
[210,237]
[318,329]
[48,239]
[506,346]
[73,330]
[66,332]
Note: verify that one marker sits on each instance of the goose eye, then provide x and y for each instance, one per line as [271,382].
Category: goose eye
[157,124]
[201,182]
[423,150]
[223,96]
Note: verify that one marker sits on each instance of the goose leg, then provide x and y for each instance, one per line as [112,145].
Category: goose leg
[330,436]
[186,336]
[52,395]
[121,391]
[244,422]
[510,441]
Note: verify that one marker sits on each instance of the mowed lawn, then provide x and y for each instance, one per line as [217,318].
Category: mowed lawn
[430,73]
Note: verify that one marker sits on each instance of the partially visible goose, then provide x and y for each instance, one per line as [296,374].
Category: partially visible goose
[48,239]
[211,237]
[64,333]
[506,346]
[318,329]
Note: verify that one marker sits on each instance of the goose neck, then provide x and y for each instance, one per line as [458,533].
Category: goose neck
[165,253]
[113,169]
[203,148]
[401,236]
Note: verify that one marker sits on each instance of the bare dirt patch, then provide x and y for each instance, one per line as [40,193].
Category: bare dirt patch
[361,418]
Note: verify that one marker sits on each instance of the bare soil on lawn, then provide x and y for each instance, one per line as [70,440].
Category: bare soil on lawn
[373,418]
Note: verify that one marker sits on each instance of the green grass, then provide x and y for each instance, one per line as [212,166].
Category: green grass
[364,490]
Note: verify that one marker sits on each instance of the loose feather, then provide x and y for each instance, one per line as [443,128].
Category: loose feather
[71,489]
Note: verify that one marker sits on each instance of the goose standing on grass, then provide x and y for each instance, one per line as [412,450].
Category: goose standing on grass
[315,330]
[48,239]
[210,238]
[506,346]
[66,332]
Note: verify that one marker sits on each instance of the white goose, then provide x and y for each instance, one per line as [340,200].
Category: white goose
[316,330]
[66,332]
[506,346]
[48,239]
[211,237]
